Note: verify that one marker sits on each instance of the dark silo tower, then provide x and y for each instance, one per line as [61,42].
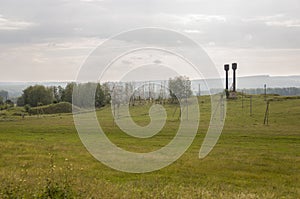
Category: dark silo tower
[234,67]
[226,68]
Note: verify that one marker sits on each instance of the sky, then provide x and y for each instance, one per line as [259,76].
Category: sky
[49,40]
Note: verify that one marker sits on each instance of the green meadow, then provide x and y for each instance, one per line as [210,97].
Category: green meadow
[41,156]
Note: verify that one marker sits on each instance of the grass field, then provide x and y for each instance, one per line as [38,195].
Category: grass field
[43,157]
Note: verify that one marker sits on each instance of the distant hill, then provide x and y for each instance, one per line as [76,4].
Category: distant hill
[271,81]
[252,82]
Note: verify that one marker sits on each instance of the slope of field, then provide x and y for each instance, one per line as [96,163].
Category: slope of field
[43,157]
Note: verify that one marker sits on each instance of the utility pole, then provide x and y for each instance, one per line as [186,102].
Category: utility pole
[266,121]
[265,86]
[251,106]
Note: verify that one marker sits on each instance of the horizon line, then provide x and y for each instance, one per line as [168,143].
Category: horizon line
[68,81]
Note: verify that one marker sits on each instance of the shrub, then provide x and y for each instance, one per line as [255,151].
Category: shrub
[63,107]
[57,190]
[27,108]
[3,113]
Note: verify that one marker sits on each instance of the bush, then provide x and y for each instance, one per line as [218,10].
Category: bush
[63,107]
[27,108]
[57,190]
[18,114]
[3,113]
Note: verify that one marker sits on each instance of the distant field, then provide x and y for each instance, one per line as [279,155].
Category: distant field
[43,157]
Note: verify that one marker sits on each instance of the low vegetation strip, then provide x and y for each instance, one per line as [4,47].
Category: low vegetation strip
[63,107]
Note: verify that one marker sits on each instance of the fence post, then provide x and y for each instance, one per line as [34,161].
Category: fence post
[266,120]
[251,106]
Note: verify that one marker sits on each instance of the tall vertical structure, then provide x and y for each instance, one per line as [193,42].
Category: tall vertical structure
[226,68]
[234,67]
[265,89]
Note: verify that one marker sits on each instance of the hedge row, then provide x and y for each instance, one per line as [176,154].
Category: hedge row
[63,107]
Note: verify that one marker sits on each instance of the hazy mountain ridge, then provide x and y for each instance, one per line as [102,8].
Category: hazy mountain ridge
[252,82]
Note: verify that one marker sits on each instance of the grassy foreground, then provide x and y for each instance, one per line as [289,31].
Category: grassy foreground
[43,157]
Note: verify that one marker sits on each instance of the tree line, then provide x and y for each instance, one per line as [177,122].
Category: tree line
[38,95]
[179,88]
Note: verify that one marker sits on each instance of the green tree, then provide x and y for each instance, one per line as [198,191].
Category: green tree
[20,101]
[106,92]
[180,87]
[58,93]
[84,95]
[68,92]
[89,95]
[55,94]
[99,97]
[35,95]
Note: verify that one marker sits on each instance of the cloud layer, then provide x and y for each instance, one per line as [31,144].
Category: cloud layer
[51,35]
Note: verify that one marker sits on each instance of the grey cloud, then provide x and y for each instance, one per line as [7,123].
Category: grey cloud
[221,22]
[12,24]
[230,24]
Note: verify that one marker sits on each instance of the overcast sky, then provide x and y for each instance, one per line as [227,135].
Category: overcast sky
[43,40]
